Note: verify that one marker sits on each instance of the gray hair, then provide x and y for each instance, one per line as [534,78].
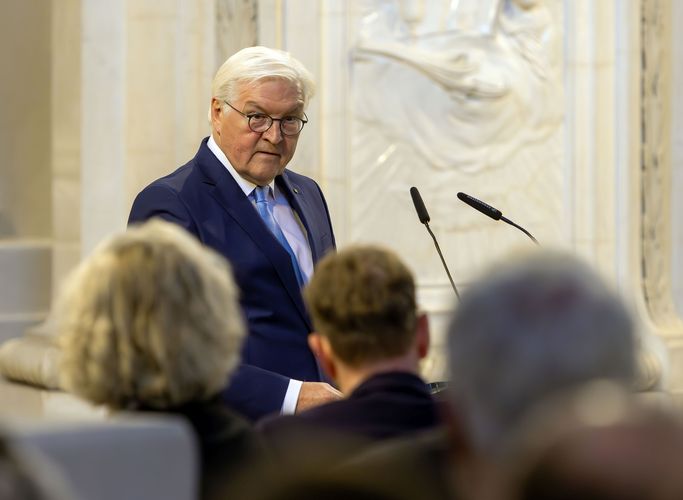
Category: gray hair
[151,319]
[252,64]
[530,328]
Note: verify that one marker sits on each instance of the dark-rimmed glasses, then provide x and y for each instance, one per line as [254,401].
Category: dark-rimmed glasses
[260,122]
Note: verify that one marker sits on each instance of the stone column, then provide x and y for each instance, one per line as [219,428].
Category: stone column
[655,194]
[66,139]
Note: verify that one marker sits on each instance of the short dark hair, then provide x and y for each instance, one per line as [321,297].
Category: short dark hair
[363,300]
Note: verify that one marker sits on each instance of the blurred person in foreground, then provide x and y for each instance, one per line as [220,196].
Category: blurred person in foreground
[314,483]
[596,443]
[369,339]
[532,326]
[238,197]
[151,322]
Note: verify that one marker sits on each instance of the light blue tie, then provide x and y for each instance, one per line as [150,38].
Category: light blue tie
[265,210]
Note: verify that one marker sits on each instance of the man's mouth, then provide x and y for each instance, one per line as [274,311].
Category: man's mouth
[268,153]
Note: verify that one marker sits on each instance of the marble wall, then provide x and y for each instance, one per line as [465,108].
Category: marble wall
[25,167]
[66,138]
[657,190]
[144,72]
[447,103]
[25,121]
[676,208]
[542,108]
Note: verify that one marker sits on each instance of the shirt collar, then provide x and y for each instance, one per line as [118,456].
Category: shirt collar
[246,186]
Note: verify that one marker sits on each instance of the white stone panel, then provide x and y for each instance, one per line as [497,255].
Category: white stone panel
[25,120]
[677,155]
[440,104]
[103,119]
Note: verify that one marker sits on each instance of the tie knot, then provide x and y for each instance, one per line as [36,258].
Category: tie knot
[261,194]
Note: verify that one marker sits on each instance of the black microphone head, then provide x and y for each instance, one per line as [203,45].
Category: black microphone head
[420,208]
[484,208]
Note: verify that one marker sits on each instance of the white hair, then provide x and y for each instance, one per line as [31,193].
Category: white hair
[150,319]
[253,64]
[533,326]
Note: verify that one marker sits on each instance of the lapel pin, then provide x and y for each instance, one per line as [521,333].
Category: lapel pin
[296,190]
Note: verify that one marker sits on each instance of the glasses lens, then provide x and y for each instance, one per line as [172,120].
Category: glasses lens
[292,125]
[259,122]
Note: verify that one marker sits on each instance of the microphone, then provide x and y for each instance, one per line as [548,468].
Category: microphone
[494,213]
[420,208]
[423,215]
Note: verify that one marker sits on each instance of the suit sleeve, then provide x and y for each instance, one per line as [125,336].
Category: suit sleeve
[253,391]
[163,202]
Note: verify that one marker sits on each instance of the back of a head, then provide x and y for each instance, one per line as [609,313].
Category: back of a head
[254,64]
[531,327]
[150,319]
[363,300]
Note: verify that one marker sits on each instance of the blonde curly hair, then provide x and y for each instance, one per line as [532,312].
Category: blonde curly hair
[150,319]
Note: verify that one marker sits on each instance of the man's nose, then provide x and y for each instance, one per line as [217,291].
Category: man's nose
[273,134]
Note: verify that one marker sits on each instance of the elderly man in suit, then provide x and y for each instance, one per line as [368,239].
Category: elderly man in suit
[370,339]
[272,224]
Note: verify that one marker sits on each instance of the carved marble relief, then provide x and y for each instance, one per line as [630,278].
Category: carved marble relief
[456,96]
[236,27]
[656,165]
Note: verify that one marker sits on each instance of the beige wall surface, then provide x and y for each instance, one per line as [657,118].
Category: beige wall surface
[25,133]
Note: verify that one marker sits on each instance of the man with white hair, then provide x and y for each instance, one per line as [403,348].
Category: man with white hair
[272,224]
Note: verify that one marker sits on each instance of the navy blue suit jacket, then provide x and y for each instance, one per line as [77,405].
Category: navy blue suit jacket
[385,406]
[203,197]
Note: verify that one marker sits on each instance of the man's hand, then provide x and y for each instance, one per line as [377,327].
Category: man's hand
[315,394]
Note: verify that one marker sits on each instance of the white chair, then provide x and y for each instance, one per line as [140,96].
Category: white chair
[125,458]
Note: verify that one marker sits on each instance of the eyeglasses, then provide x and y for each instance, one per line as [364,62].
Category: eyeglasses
[260,122]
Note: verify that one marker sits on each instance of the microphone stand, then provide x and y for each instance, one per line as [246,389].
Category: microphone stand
[423,215]
[443,261]
[505,219]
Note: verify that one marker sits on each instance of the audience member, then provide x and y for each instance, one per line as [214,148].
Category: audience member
[151,322]
[370,339]
[530,328]
[598,443]
[312,483]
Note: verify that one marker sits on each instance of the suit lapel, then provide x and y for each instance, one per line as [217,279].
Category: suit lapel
[301,206]
[231,198]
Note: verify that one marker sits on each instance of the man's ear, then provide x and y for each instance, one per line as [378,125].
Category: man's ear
[216,114]
[422,336]
[323,352]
